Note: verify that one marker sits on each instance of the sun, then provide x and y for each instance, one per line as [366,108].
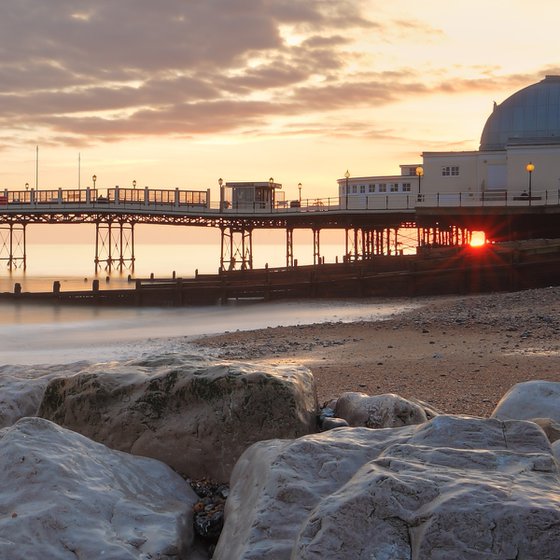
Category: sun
[478,239]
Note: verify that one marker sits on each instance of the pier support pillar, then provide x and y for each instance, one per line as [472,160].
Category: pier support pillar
[236,248]
[13,246]
[289,247]
[316,246]
[114,245]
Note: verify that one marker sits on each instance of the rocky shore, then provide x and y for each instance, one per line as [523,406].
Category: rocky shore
[460,353]
[182,456]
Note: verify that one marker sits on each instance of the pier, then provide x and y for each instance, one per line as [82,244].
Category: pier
[371,224]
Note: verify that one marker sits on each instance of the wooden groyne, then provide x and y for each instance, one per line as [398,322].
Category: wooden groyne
[433,271]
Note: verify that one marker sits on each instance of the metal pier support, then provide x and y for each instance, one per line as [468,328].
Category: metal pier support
[289,247]
[114,245]
[13,246]
[316,246]
[236,248]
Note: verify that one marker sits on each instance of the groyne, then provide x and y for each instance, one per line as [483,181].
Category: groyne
[432,271]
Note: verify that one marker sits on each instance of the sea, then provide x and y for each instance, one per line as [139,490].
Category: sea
[56,334]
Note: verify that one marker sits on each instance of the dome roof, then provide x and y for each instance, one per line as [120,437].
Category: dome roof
[530,116]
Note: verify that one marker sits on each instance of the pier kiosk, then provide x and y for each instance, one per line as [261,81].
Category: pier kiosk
[253,195]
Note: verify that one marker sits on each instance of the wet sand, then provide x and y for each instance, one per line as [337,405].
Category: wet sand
[460,354]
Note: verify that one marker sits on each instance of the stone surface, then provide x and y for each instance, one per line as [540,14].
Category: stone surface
[195,415]
[64,496]
[556,449]
[378,411]
[550,428]
[22,388]
[532,399]
[455,487]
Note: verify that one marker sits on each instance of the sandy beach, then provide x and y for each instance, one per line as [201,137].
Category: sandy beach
[460,354]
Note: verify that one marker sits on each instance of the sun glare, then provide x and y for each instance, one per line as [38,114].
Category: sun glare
[478,239]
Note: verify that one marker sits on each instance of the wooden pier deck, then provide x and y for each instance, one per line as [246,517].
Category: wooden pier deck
[433,271]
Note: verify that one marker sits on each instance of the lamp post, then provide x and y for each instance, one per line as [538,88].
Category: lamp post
[299,189]
[271,185]
[26,186]
[94,178]
[221,183]
[347,175]
[134,184]
[530,168]
[419,174]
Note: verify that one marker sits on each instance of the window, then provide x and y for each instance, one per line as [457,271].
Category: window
[394,187]
[382,187]
[406,187]
[371,188]
[450,171]
[362,189]
[354,189]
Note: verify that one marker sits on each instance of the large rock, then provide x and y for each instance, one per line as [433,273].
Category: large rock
[531,399]
[196,416]
[455,487]
[378,411]
[64,496]
[22,388]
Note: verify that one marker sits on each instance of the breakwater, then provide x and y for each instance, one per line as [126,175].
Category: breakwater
[432,271]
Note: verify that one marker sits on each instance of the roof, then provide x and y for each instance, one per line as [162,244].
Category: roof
[529,117]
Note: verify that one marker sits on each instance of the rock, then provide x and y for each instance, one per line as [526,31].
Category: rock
[379,411]
[454,487]
[531,399]
[550,428]
[330,423]
[19,398]
[556,449]
[22,388]
[65,496]
[195,415]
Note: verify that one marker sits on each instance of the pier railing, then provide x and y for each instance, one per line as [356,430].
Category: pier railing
[183,202]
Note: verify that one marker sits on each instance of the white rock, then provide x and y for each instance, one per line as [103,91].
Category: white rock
[22,388]
[378,411]
[63,496]
[556,449]
[196,416]
[531,399]
[453,488]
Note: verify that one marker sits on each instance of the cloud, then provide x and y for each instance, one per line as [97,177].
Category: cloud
[105,71]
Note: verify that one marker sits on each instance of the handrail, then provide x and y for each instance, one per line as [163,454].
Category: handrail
[89,199]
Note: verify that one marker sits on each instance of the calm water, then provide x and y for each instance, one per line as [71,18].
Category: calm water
[33,334]
[72,264]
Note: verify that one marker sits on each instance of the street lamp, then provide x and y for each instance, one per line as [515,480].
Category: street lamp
[26,186]
[530,168]
[419,174]
[347,175]
[94,178]
[271,185]
[221,183]
[299,189]
[134,184]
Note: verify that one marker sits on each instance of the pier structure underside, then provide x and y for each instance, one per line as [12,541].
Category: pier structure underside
[366,234]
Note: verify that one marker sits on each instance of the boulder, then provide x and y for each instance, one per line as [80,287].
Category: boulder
[378,411]
[195,415]
[550,428]
[454,487]
[65,496]
[22,388]
[531,399]
[556,449]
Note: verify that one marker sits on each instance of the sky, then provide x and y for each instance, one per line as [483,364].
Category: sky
[179,93]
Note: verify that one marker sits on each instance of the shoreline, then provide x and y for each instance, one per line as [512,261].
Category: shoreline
[459,354]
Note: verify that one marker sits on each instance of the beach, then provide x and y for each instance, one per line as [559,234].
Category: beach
[460,354]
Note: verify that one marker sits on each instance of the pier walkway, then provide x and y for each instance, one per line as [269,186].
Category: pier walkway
[371,222]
